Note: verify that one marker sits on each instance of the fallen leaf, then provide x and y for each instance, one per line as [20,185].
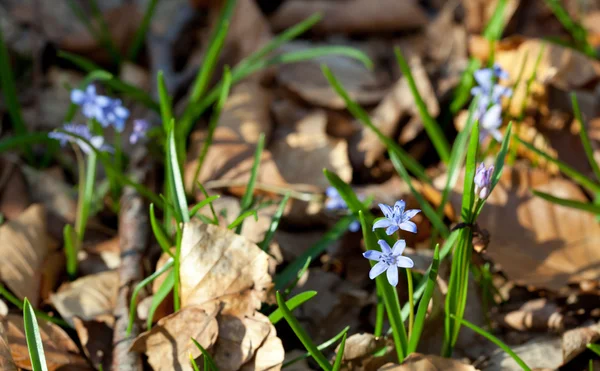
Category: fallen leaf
[535,315]
[60,350]
[14,196]
[239,339]
[542,352]
[534,241]
[53,270]
[87,298]
[422,362]
[168,344]
[269,356]
[100,257]
[24,247]
[6,360]
[218,265]
[575,341]
[96,338]
[353,16]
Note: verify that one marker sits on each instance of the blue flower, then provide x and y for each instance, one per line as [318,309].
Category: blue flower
[92,104]
[140,127]
[396,218]
[490,122]
[483,181]
[388,260]
[489,110]
[83,131]
[335,202]
[114,113]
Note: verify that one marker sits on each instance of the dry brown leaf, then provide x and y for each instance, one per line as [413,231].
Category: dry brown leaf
[14,196]
[96,337]
[542,352]
[534,241]
[306,80]
[239,339]
[60,350]
[218,265]
[168,344]
[269,356]
[422,362]
[353,16]
[308,140]
[87,298]
[100,257]
[53,270]
[6,360]
[397,103]
[24,247]
[575,341]
[535,315]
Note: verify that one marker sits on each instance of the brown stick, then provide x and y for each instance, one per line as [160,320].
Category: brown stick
[133,239]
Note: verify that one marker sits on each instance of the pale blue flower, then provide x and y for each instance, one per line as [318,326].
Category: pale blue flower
[83,131]
[483,181]
[490,123]
[335,202]
[92,104]
[388,260]
[140,127]
[114,114]
[489,110]
[396,218]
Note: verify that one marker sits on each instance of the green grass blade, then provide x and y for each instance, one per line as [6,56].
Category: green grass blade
[302,335]
[133,302]
[390,296]
[585,139]
[468,199]
[264,245]
[428,210]
[104,33]
[9,90]
[175,178]
[317,52]
[462,93]
[34,340]
[361,115]
[194,364]
[116,84]
[595,348]
[140,33]
[577,31]
[240,219]
[585,206]
[161,237]
[203,203]
[87,195]
[299,275]
[432,128]
[214,121]
[530,81]
[292,304]
[379,314]
[166,111]
[500,161]
[415,336]
[495,26]
[70,250]
[494,340]
[322,346]
[212,208]
[566,169]
[248,196]
[24,141]
[163,291]
[207,358]
[19,304]
[337,365]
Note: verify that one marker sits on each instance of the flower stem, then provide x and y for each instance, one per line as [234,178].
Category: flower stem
[411,304]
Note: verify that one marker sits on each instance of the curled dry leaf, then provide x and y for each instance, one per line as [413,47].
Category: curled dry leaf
[14,197]
[6,360]
[537,315]
[60,350]
[354,16]
[269,356]
[422,362]
[168,344]
[90,297]
[542,352]
[23,247]
[359,350]
[96,338]
[536,242]
[218,265]
[575,341]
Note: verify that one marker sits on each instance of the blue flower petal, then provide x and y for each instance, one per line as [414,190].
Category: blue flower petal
[409,226]
[386,210]
[392,275]
[409,214]
[404,262]
[377,270]
[372,255]
[385,248]
[399,247]
[382,223]
[391,229]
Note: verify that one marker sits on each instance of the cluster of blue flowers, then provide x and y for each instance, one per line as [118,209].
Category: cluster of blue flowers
[389,259]
[335,202]
[107,112]
[489,110]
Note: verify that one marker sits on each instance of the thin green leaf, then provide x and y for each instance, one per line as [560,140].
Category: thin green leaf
[494,340]
[495,26]
[7,83]
[301,273]
[264,245]
[566,169]
[432,128]
[70,250]
[176,269]
[103,36]
[390,296]
[302,335]
[585,139]
[292,304]
[577,31]
[212,208]
[203,203]
[585,206]
[19,304]
[248,196]
[462,93]
[530,82]
[334,234]
[337,365]
[240,219]
[431,275]
[361,115]
[86,197]
[140,33]
[323,346]
[34,340]
[595,348]
[133,302]
[207,358]
[161,237]
[175,178]
[193,362]
[163,291]
[166,111]
[380,313]
[214,121]
[468,199]
[23,141]
[428,210]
